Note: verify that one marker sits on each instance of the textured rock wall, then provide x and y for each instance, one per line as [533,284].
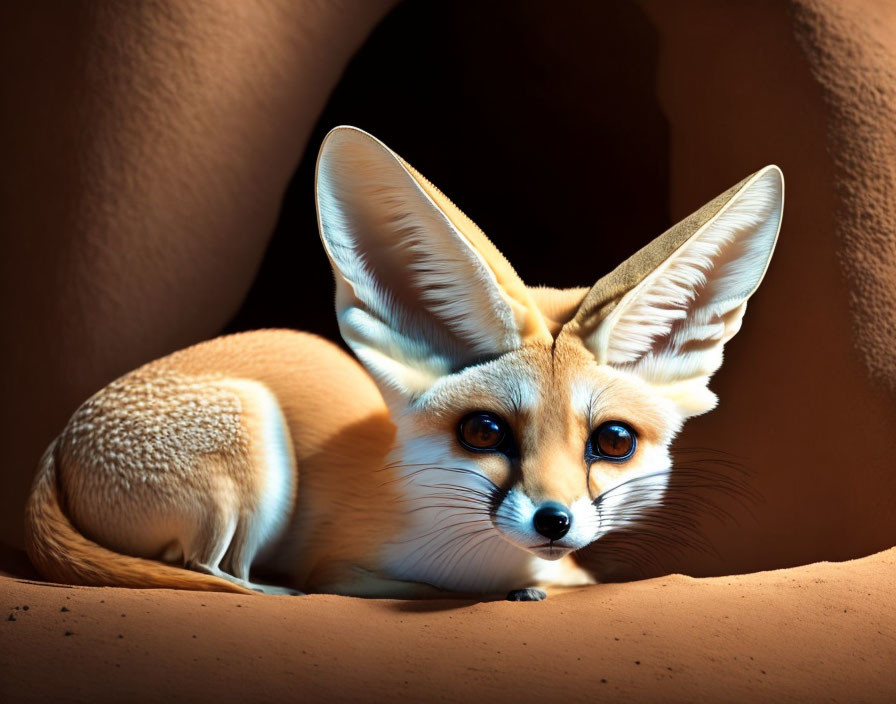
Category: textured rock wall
[851,52]
[807,405]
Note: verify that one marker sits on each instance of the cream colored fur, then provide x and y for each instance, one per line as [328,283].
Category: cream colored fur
[275,450]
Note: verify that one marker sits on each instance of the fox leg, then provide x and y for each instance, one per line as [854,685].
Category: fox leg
[222,548]
[255,586]
[268,491]
[210,545]
[239,557]
[529,594]
[199,472]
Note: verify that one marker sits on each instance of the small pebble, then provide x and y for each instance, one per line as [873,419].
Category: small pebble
[64,609]
[11,618]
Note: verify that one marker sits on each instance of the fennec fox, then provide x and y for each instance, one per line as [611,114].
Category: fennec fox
[497,429]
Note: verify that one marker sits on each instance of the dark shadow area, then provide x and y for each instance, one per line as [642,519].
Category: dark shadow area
[562,163]
[15,563]
[429,606]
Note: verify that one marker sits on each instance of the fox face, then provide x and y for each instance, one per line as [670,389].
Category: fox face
[530,421]
[537,441]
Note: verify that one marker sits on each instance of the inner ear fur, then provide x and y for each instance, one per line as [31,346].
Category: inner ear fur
[421,292]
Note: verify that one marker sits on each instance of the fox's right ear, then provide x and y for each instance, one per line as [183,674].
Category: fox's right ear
[420,291]
[666,313]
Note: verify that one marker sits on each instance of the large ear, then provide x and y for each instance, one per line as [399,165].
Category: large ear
[420,291]
[666,313]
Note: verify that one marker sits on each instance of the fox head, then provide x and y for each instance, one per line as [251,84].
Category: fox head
[534,417]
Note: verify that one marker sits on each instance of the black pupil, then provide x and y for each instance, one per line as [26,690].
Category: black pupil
[614,440]
[483,431]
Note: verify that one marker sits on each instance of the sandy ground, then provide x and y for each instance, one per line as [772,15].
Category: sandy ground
[820,633]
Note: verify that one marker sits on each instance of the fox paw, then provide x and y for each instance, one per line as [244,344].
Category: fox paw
[527,595]
[282,591]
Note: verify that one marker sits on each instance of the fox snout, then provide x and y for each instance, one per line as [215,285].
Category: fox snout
[552,520]
[549,528]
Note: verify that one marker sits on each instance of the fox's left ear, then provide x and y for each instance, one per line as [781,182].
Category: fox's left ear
[421,292]
[666,313]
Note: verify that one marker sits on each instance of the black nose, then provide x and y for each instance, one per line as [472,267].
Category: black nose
[552,520]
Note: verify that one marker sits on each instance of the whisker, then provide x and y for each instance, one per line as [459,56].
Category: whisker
[436,530]
[644,535]
[453,543]
[602,496]
[429,467]
[462,535]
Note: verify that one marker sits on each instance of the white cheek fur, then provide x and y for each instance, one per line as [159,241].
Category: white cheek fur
[630,498]
[450,542]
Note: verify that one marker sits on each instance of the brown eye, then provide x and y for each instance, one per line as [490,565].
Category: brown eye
[482,431]
[613,440]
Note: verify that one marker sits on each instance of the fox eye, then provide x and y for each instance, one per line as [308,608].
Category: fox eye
[482,430]
[612,440]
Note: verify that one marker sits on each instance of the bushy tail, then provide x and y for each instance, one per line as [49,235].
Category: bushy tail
[61,554]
